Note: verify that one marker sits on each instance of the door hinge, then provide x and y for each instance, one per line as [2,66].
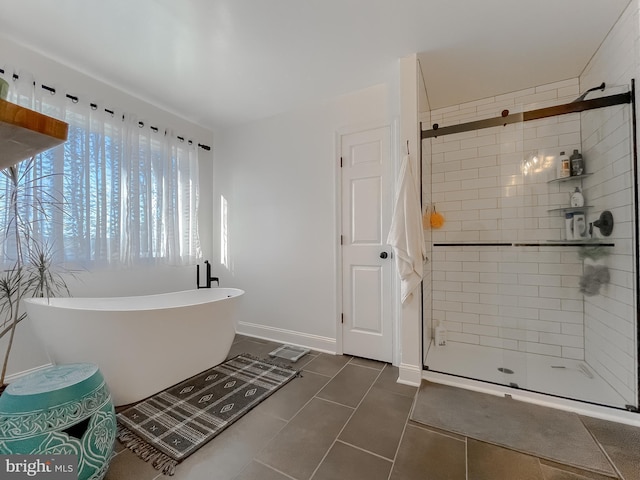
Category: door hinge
[341,239]
[340,162]
[342,318]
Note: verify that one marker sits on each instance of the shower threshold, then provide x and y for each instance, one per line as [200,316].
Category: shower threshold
[572,379]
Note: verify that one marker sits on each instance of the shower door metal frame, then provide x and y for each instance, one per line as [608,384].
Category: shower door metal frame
[508,118]
[634,163]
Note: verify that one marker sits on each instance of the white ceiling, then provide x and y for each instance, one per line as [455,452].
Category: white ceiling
[225,62]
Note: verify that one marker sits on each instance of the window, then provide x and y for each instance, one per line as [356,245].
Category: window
[224,235]
[118,192]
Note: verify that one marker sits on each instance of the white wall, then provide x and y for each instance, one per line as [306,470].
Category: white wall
[412,98]
[279,177]
[28,353]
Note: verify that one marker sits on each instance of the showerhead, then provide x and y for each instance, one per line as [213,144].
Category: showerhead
[581,97]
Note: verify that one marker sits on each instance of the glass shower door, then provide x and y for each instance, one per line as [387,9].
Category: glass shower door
[520,159]
[533,275]
[577,302]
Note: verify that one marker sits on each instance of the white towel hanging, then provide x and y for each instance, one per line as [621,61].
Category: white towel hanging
[406,236]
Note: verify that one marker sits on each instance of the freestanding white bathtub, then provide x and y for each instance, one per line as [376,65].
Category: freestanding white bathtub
[141,344]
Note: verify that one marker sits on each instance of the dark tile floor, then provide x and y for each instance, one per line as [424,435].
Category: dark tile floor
[346,418]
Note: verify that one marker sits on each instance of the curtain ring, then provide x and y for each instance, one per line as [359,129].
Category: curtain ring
[141,124]
[94,106]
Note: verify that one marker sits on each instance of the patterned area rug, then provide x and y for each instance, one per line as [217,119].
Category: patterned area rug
[168,427]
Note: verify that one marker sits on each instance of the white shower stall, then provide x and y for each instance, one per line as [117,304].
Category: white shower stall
[536,289]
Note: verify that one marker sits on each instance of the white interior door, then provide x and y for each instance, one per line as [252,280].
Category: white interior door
[367,323]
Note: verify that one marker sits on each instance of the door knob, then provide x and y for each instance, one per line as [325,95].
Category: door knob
[384,255]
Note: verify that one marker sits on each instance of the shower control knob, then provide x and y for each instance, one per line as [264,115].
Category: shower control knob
[384,255]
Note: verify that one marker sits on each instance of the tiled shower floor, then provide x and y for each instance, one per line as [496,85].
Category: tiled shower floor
[539,373]
[347,419]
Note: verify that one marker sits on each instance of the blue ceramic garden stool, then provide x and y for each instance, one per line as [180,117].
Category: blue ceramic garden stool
[64,409]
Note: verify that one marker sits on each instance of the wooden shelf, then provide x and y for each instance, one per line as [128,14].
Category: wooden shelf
[25,133]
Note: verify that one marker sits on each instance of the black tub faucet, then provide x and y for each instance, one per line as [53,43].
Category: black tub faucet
[208,278]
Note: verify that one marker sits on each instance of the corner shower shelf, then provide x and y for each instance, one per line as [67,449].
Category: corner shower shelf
[570,209]
[573,177]
[25,133]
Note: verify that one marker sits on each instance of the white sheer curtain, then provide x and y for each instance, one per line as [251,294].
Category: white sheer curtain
[129,190]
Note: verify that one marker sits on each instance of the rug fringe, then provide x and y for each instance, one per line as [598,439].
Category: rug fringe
[146,452]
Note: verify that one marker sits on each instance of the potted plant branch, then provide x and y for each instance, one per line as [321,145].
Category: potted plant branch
[31,271]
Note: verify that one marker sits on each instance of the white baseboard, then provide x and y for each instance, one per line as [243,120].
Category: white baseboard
[410,375]
[314,342]
[15,376]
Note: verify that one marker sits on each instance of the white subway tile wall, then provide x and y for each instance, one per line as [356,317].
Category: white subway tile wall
[427,296]
[609,321]
[506,297]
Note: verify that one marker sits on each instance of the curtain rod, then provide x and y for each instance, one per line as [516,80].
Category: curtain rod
[507,118]
[94,106]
